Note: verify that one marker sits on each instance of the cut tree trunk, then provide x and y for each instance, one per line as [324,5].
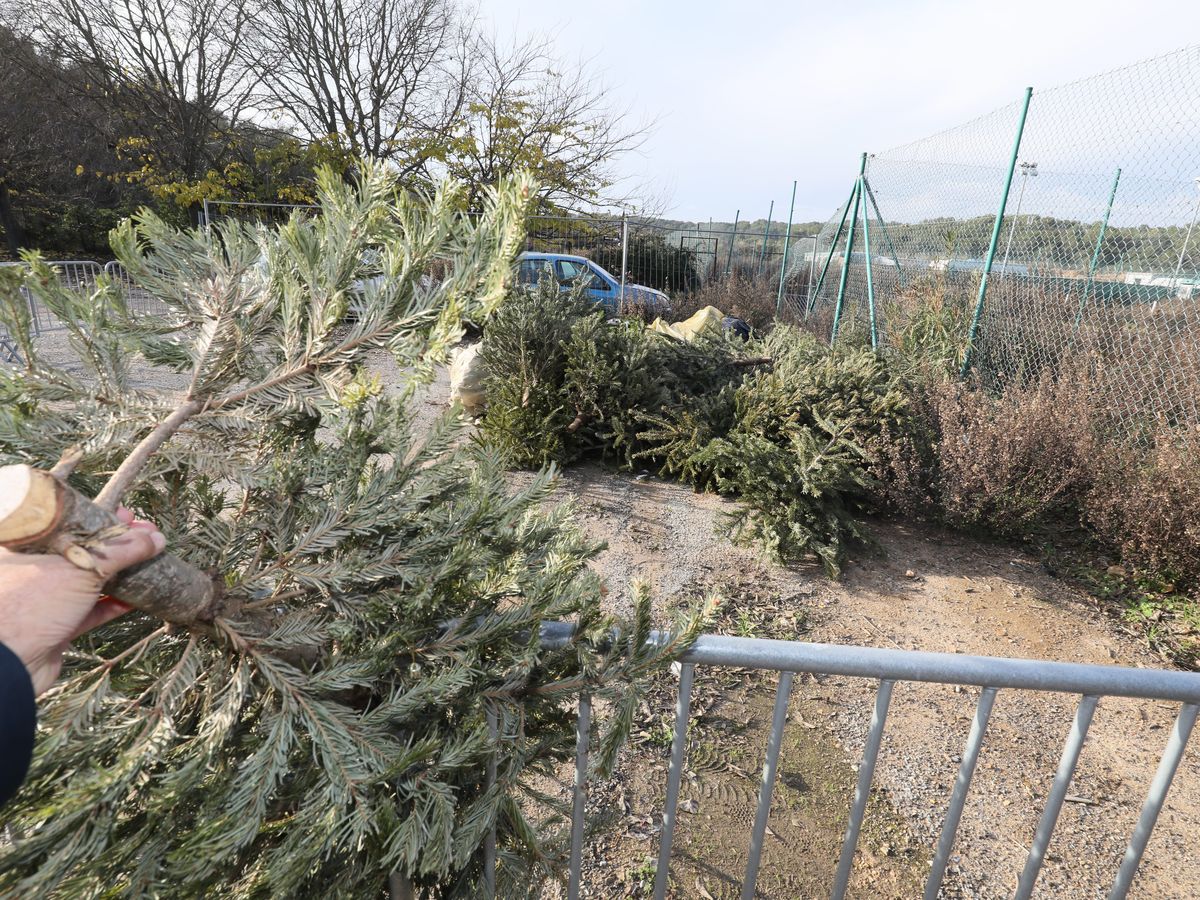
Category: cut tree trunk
[41,514]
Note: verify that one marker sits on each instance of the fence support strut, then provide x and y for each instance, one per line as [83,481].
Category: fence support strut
[841,295]
[999,223]
[787,239]
[886,236]
[729,258]
[1087,291]
[837,236]
[762,257]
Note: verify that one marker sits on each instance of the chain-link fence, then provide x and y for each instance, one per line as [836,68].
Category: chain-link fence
[1094,261]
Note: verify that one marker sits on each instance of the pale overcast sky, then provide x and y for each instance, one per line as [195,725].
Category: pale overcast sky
[752,94]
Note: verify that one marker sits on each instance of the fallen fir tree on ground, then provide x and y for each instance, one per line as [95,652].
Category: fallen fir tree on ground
[316,721]
[785,424]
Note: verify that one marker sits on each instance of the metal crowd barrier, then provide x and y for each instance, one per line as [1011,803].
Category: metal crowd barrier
[992,674]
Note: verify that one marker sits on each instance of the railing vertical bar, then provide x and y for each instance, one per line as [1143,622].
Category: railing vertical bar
[1054,800]
[770,765]
[866,772]
[1154,799]
[675,773]
[958,797]
[582,733]
[489,844]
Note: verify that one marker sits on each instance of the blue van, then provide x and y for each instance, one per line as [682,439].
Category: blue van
[601,286]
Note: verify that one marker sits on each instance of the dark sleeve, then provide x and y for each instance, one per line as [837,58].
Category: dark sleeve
[18,722]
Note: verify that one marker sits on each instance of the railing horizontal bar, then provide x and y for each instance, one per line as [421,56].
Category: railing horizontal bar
[915,665]
[583,730]
[958,797]
[1054,800]
[770,765]
[866,773]
[1155,798]
[683,705]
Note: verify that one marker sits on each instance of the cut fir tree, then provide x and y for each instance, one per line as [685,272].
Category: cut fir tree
[327,725]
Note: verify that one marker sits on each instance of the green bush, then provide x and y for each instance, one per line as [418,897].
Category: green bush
[783,424]
[562,382]
[792,442]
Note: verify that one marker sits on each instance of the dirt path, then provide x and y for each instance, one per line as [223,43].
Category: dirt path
[961,597]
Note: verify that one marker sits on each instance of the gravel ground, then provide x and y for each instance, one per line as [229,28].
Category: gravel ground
[961,597]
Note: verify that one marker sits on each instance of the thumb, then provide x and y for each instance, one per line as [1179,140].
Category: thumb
[136,545]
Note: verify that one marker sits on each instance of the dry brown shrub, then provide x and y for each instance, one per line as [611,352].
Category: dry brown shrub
[1147,505]
[1013,463]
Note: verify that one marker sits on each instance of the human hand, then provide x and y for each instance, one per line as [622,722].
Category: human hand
[46,601]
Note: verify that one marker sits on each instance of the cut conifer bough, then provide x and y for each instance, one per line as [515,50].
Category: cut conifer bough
[41,514]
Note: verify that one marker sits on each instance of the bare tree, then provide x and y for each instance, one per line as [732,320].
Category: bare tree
[386,78]
[529,110]
[168,68]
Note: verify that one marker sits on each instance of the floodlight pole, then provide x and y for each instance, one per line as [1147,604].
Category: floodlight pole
[762,257]
[1087,291]
[991,255]
[787,238]
[1027,169]
[841,294]
[1186,241]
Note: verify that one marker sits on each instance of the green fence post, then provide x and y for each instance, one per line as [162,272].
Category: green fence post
[1087,291]
[787,238]
[841,295]
[729,259]
[762,257]
[870,281]
[812,298]
[886,236]
[991,254]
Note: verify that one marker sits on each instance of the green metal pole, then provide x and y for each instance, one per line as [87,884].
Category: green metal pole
[841,295]
[991,254]
[1087,291]
[762,257]
[887,237]
[787,238]
[729,259]
[812,299]
[870,281]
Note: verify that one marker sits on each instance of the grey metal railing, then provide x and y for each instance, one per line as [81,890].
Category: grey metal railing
[79,275]
[992,674]
[137,300]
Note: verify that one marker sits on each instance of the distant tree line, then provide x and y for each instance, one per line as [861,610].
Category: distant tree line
[108,105]
[1045,241]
